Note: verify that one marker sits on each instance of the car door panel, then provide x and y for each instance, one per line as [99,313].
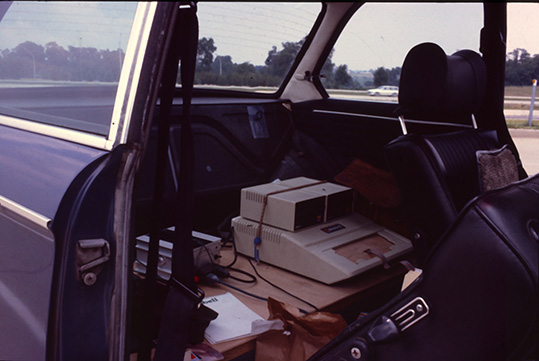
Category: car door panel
[82,292]
[32,183]
[236,144]
[351,129]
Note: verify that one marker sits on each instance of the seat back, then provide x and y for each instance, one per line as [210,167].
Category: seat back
[478,295]
[437,173]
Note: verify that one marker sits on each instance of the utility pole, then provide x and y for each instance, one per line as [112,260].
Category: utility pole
[532,103]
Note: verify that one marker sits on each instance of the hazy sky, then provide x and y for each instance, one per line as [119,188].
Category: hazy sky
[83,24]
[523,27]
[379,34]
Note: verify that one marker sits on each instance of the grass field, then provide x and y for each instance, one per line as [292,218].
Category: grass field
[518,91]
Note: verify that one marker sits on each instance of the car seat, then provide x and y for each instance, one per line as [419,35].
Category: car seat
[438,173]
[478,295]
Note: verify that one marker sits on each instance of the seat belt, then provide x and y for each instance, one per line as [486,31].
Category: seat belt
[183,296]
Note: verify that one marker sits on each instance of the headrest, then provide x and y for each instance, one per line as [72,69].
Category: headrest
[433,83]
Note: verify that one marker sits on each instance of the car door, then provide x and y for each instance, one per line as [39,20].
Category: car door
[65,109]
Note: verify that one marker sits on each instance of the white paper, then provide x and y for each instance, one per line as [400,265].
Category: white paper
[410,277]
[261,326]
[234,320]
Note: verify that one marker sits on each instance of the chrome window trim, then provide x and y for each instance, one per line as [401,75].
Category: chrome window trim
[75,136]
[130,76]
[15,210]
[359,115]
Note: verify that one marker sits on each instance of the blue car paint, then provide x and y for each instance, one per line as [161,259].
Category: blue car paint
[37,177]
[86,212]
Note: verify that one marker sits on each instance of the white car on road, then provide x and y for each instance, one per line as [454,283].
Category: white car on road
[384,90]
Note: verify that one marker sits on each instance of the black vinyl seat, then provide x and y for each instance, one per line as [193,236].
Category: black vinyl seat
[438,173]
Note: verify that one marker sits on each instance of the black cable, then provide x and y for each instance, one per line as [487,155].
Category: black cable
[280,288]
[234,248]
[251,278]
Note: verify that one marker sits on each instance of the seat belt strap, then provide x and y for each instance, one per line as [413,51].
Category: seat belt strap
[183,296]
[166,96]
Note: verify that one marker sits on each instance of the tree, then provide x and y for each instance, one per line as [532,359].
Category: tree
[342,78]
[31,55]
[279,62]
[206,48]
[327,71]
[394,75]
[381,76]
[222,65]
[521,68]
[56,65]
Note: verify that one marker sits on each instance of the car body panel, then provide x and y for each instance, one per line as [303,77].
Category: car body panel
[47,168]
[34,181]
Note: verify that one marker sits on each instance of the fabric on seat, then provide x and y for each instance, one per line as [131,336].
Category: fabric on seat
[438,173]
[497,168]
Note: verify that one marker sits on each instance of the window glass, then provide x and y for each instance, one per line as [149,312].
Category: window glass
[250,46]
[60,61]
[370,51]
[522,65]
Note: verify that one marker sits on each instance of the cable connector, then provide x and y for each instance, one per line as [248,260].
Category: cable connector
[256,243]
[221,272]
[211,278]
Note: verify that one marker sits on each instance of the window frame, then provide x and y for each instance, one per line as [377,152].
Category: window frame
[123,101]
[233,93]
[331,44]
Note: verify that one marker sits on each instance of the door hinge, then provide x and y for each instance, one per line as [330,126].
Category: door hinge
[91,255]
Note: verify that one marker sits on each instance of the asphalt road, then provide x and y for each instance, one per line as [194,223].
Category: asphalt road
[527,142]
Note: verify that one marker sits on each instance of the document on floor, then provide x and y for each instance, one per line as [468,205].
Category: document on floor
[234,321]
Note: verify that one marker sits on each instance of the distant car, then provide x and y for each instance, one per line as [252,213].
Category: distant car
[384,90]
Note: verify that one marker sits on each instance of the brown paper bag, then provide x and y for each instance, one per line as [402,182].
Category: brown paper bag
[376,185]
[302,336]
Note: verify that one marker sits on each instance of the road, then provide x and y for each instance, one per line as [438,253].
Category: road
[527,142]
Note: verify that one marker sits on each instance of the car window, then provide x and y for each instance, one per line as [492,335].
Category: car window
[60,61]
[250,46]
[370,51]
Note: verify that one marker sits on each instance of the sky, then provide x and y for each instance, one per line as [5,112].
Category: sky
[523,27]
[83,24]
[379,34]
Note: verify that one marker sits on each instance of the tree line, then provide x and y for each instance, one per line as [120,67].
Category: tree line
[222,70]
[521,67]
[29,60]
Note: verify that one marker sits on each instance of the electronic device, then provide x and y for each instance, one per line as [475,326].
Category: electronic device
[285,208]
[206,253]
[339,200]
[329,252]
[295,203]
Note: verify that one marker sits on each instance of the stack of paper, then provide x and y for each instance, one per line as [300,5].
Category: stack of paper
[234,320]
